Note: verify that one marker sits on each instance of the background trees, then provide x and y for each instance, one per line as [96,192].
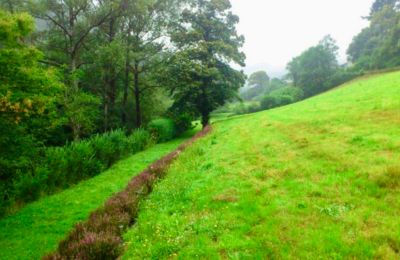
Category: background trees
[257,84]
[377,46]
[313,69]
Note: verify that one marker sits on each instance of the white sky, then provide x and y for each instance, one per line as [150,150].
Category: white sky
[278,30]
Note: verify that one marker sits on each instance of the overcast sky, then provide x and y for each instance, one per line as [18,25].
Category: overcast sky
[278,30]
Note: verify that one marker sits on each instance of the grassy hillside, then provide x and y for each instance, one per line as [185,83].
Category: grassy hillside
[37,229]
[317,179]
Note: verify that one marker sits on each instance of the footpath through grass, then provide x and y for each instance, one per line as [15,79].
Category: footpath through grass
[37,229]
[319,179]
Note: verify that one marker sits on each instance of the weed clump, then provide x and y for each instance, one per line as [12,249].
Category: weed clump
[391,178]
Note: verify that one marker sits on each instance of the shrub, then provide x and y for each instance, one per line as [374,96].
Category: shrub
[239,109]
[183,121]
[269,102]
[246,108]
[162,129]
[285,100]
[294,93]
[138,141]
[29,186]
[342,76]
[253,108]
[110,147]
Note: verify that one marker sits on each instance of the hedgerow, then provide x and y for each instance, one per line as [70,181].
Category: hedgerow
[60,167]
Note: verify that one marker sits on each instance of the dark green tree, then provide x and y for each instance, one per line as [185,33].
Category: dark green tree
[200,75]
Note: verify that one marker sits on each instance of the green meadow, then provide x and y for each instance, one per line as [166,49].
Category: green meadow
[319,179]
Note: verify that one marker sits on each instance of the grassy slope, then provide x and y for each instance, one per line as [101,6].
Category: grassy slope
[38,228]
[318,179]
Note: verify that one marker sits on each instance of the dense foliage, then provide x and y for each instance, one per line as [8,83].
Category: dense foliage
[377,46]
[59,167]
[163,129]
[28,101]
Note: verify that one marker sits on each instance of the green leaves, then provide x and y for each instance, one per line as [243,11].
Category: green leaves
[14,27]
[376,47]
[201,76]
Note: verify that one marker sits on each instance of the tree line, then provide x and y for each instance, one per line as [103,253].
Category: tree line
[71,69]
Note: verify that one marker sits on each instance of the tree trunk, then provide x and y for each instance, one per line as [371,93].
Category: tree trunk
[73,80]
[126,88]
[112,91]
[204,108]
[105,110]
[205,119]
[137,96]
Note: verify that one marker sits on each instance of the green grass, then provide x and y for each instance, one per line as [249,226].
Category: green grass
[37,228]
[319,179]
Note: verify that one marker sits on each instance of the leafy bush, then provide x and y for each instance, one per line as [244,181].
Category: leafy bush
[59,167]
[269,102]
[342,76]
[282,97]
[253,108]
[163,129]
[110,147]
[138,141]
[183,121]
[294,93]
[246,108]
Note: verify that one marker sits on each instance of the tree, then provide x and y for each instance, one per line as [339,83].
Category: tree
[258,84]
[378,5]
[377,45]
[69,26]
[259,79]
[12,6]
[313,69]
[146,36]
[28,98]
[200,75]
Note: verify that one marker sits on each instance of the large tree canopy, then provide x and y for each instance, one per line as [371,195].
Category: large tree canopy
[201,76]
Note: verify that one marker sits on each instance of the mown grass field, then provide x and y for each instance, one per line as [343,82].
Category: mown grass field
[37,228]
[319,179]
